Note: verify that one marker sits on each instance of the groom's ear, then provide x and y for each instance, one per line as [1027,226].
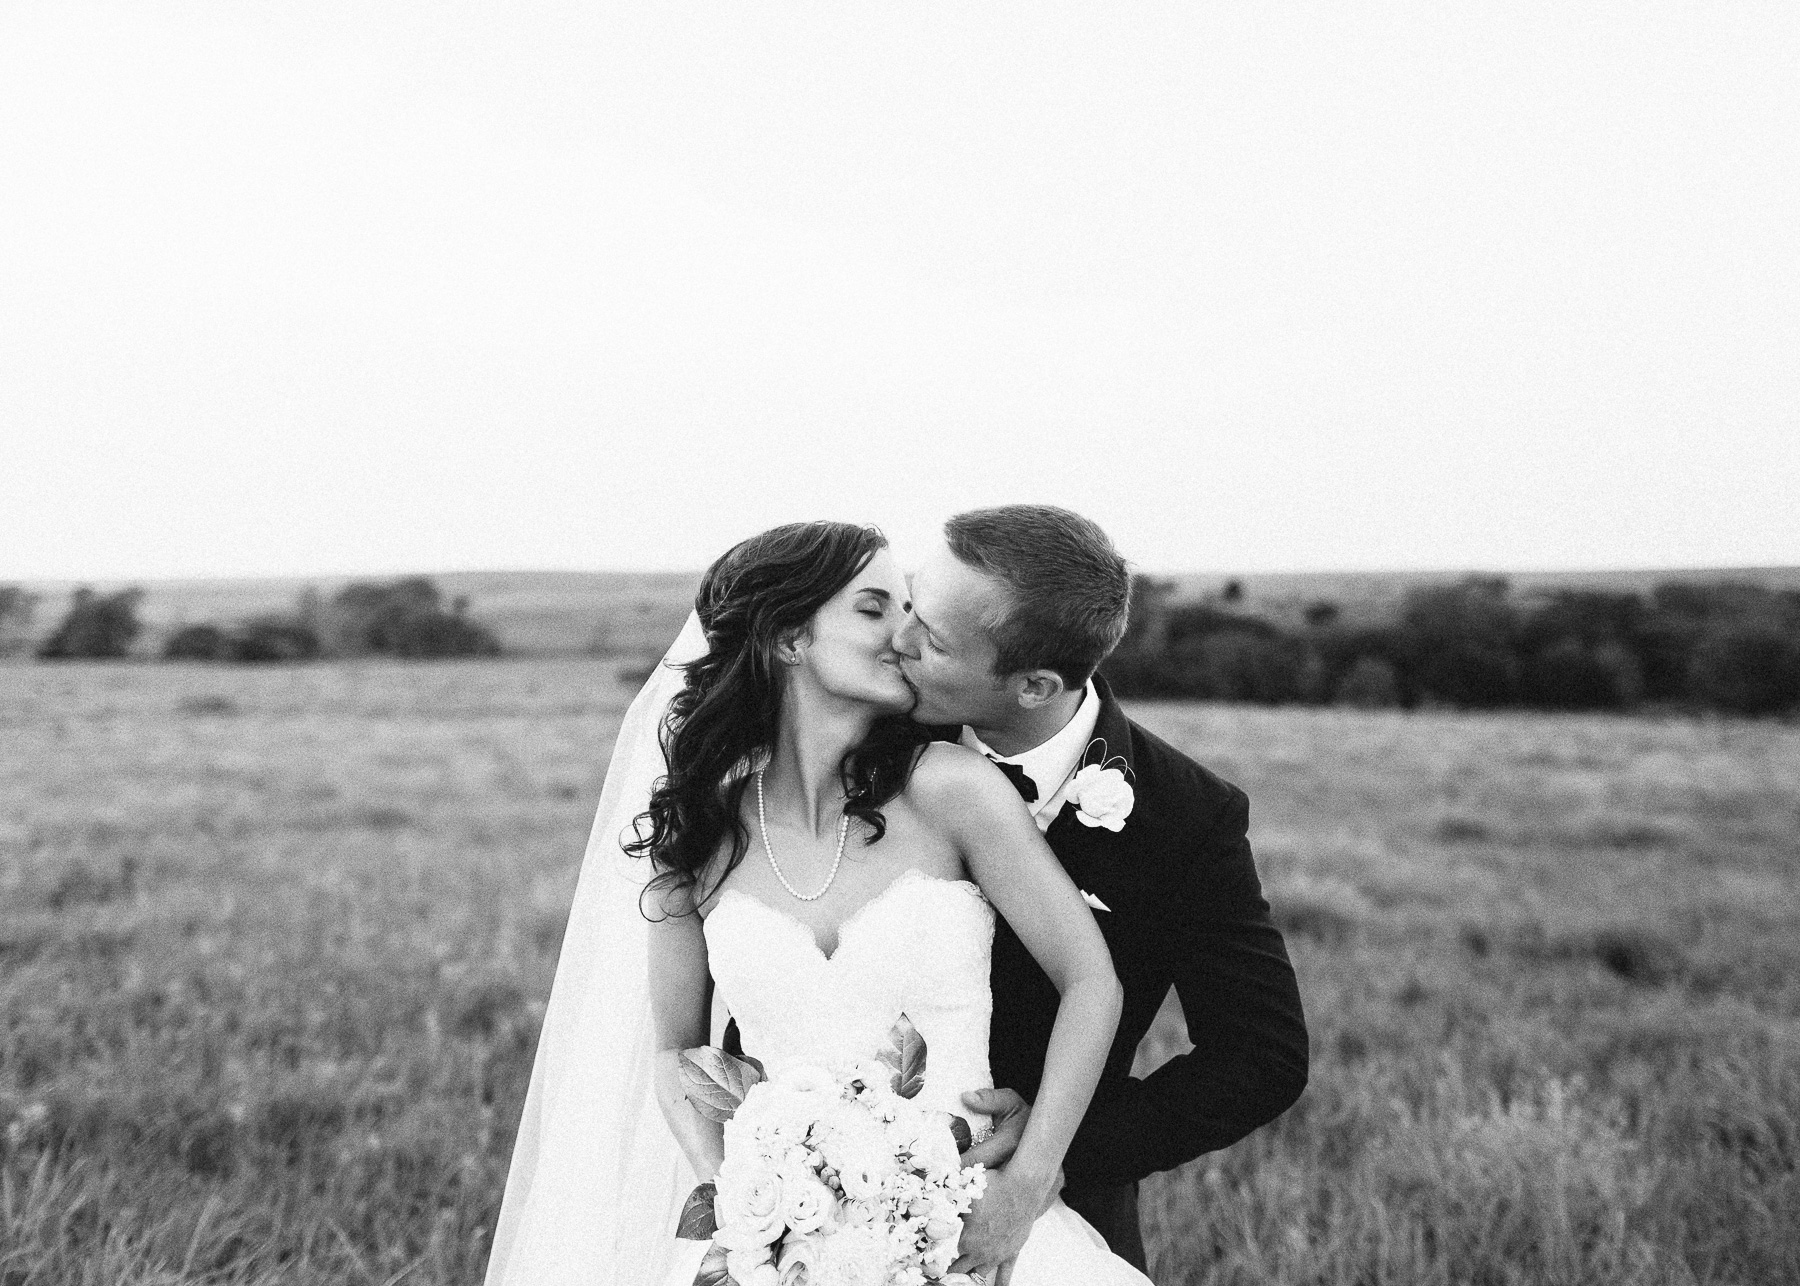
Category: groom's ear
[1037,687]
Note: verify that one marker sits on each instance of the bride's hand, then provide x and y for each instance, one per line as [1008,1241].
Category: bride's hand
[996,1229]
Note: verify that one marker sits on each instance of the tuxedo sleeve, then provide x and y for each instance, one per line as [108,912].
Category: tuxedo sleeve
[1242,1005]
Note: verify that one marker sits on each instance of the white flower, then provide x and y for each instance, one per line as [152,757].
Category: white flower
[799,1262]
[854,1257]
[752,1267]
[806,1205]
[859,1214]
[873,1074]
[974,1185]
[748,1202]
[931,1145]
[945,1224]
[942,1252]
[856,1146]
[1102,797]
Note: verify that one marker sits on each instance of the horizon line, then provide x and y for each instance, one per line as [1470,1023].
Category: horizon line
[109,581]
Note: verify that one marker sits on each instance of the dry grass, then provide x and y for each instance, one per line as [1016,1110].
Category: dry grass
[1552,971]
[273,945]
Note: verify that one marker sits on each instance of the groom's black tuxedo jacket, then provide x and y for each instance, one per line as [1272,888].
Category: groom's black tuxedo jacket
[1186,911]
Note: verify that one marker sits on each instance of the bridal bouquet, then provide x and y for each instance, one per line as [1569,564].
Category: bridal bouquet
[831,1177]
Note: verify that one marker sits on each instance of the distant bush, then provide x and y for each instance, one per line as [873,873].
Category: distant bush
[1571,675]
[1749,668]
[403,617]
[273,638]
[196,643]
[1461,640]
[260,639]
[96,627]
[441,634]
[1371,683]
[16,610]
[1249,665]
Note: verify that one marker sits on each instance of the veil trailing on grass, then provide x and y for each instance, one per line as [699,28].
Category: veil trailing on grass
[597,1180]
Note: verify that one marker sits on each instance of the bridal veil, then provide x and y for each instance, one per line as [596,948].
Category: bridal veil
[597,1180]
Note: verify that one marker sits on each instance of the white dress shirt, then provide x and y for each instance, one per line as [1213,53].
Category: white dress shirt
[1051,764]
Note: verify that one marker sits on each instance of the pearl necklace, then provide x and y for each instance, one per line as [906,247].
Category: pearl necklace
[762,822]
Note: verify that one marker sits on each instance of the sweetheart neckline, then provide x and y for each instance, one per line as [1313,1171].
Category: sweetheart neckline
[844,925]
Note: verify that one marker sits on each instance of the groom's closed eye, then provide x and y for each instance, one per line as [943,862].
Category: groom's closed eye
[931,640]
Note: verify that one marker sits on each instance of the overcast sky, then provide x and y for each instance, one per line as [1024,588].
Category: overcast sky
[393,285]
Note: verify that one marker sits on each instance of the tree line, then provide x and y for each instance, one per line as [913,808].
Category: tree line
[1471,644]
[1475,644]
[406,617]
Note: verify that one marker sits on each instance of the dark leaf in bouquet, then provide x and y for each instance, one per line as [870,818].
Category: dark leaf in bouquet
[698,1219]
[712,1269]
[905,1055]
[959,1130]
[716,1082]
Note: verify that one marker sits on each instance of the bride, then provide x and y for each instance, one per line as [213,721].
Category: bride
[774,828]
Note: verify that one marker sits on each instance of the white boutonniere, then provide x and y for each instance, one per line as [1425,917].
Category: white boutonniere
[1102,797]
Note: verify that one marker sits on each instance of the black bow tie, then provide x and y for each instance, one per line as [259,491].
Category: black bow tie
[1020,779]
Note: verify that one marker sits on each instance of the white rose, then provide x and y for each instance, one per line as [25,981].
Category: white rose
[748,1203]
[854,1257]
[806,1205]
[799,1262]
[747,1270]
[781,1110]
[859,1214]
[1102,797]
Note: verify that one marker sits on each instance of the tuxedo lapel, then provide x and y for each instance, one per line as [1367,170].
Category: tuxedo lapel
[1110,744]
[1097,859]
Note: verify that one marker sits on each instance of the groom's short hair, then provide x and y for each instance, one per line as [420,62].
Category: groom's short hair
[1068,590]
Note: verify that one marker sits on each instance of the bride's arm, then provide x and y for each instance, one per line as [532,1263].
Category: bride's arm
[681,1004]
[979,809]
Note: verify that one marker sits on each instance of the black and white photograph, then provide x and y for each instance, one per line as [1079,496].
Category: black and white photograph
[909,645]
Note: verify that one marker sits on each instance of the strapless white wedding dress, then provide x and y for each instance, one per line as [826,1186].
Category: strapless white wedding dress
[920,947]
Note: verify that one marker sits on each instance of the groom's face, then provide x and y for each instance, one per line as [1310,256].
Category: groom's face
[946,649]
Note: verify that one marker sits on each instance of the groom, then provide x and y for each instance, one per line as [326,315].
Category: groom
[1010,617]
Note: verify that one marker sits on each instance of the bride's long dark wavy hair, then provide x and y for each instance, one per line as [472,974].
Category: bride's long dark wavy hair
[727,715]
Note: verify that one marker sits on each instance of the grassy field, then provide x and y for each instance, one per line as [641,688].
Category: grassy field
[273,947]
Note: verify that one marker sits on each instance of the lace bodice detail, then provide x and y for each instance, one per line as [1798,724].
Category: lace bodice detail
[920,947]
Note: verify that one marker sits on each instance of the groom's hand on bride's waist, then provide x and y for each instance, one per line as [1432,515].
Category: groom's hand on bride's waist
[996,1229]
[1009,1113]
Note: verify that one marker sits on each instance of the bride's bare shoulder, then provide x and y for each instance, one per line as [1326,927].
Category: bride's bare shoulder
[954,779]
